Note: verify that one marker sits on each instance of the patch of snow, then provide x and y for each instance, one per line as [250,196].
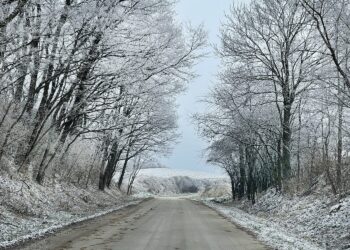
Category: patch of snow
[335,208]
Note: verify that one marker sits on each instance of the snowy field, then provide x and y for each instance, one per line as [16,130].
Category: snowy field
[168,172]
[172,182]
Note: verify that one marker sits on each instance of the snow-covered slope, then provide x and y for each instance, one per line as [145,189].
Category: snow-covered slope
[165,181]
[168,172]
[29,210]
[288,221]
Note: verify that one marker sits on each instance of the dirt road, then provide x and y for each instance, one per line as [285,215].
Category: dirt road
[158,224]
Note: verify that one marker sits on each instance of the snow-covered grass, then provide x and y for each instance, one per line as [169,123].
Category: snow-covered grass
[294,222]
[28,210]
[269,232]
[59,223]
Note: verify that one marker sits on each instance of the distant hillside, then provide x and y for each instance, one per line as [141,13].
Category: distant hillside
[165,181]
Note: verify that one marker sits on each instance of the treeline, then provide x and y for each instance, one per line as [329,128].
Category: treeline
[279,116]
[87,87]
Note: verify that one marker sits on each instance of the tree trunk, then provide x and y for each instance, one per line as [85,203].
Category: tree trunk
[233,190]
[24,61]
[101,183]
[121,177]
[114,157]
[298,153]
[279,167]
[35,52]
[286,140]
[340,138]
[41,172]
[242,173]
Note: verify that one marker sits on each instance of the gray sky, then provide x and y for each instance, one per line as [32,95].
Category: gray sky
[187,153]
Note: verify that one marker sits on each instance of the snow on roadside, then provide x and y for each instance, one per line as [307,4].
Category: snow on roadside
[320,217]
[269,232]
[59,224]
[29,210]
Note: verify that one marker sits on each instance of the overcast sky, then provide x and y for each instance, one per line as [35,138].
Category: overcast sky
[187,153]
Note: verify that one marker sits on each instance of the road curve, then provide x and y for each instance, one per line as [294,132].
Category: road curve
[158,224]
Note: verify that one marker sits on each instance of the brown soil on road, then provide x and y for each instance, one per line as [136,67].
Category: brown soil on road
[158,224]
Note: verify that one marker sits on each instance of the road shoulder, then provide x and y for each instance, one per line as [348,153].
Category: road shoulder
[69,230]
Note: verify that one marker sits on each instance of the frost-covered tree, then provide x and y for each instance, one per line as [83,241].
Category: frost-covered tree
[281,98]
[102,72]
